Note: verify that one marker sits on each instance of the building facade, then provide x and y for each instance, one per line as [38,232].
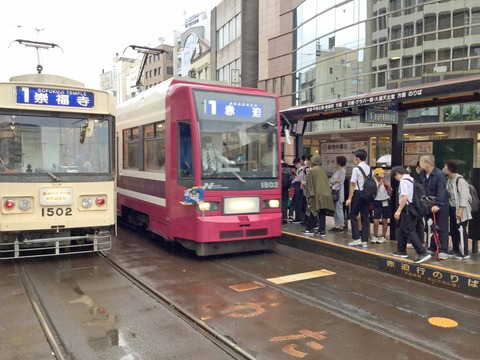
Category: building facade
[338,49]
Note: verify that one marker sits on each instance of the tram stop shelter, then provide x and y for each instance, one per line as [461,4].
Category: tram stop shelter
[385,107]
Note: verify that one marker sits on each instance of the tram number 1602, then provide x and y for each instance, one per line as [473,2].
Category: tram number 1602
[56,212]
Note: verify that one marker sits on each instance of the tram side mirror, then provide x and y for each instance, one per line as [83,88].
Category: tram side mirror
[90,128]
[83,131]
[87,130]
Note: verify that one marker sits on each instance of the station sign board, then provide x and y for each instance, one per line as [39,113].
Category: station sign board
[385,113]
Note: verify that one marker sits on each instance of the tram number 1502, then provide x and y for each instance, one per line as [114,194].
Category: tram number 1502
[56,212]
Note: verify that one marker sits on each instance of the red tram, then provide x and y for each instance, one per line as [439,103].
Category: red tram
[199,165]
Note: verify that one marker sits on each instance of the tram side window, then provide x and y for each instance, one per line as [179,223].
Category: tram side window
[185,170]
[130,148]
[154,146]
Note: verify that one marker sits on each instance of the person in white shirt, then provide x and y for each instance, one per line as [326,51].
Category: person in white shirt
[356,203]
[212,159]
[407,220]
[382,207]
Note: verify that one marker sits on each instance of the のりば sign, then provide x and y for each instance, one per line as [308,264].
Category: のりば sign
[54,97]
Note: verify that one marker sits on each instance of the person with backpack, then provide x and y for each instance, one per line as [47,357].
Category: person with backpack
[382,207]
[460,210]
[435,183]
[287,178]
[358,204]
[407,219]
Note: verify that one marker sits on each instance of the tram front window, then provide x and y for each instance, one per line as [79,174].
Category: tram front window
[37,144]
[250,153]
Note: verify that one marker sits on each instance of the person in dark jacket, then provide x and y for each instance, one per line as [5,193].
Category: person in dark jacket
[436,185]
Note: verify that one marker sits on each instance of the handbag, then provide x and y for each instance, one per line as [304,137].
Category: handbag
[335,195]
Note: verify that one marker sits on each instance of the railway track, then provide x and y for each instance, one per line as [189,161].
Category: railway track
[223,342]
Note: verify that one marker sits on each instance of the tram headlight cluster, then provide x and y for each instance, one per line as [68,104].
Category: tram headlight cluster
[24,204]
[88,201]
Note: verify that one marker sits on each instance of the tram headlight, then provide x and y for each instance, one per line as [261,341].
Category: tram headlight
[271,204]
[241,205]
[208,206]
[25,204]
[87,202]
[9,204]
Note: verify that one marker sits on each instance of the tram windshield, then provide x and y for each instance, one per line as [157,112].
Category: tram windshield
[39,144]
[238,135]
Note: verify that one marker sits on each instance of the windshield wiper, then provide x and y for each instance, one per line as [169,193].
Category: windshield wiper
[54,177]
[227,166]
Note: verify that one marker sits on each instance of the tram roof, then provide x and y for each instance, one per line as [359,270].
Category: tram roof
[451,91]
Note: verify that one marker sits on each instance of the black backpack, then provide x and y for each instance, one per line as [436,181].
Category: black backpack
[421,205]
[369,190]
[287,178]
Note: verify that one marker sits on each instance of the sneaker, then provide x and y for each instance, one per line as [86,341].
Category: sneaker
[308,232]
[452,253]
[322,234]
[409,246]
[374,239]
[422,257]
[443,256]
[364,244]
[357,242]
[462,257]
[381,240]
[295,222]
[400,254]
[431,252]
[334,229]
[290,218]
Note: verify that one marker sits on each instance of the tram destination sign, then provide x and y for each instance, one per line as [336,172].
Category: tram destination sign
[381,113]
[54,97]
[235,109]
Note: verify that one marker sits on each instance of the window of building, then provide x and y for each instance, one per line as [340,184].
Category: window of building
[394,71]
[381,75]
[444,58]
[283,86]
[419,31]
[475,57]
[444,22]
[430,58]
[409,40]
[430,27]
[418,64]
[409,6]
[475,21]
[460,23]
[396,33]
[460,53]
[382,20]
[382,48]
[395,6]
[407,64]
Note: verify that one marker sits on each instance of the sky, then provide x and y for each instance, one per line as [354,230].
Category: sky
[89,33]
